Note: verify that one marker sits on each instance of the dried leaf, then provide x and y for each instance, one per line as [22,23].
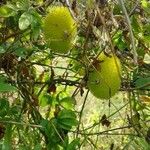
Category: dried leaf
[51,88]
[145,99]
[2,131]
[105,121]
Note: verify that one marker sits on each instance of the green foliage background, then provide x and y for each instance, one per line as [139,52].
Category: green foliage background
[44,100]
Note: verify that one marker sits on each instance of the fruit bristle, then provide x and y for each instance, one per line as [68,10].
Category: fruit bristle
[108,74]
[60,29]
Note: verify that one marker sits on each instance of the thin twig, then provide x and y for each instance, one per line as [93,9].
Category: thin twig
[135,56]
[95,124]
[21,123]
[109,130]
[81,112]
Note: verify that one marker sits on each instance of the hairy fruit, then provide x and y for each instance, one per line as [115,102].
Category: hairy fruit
[104,78]
[60,29]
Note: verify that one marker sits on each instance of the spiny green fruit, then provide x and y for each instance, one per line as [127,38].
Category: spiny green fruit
[104,76]
[60,29]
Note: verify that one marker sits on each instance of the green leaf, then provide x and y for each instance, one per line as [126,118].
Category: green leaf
[25,20]
[36,24]
[146,39]
[37,19]
[4,86]
[51,130]
[66,114]
[146,6]
[44,123]
[4,103]
[73,145]
[136,24]
[23,4]
[141,142]
[137,27]
[21,52]
[67,124]
[144,3]
[2,50]
[67,103]
[141,51]
[146,33]
[38,147]
[117,9]
[35,33]
[118,40]
[66,119]
[146,29]
[63,126]
[5,11]
[8,138]
[143,83]
[4,107]
[45,99]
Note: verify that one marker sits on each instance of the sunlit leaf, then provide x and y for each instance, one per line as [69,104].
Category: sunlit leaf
[25,20]
[5,11]
[23,4]
[146,59]
[67,102]
[118,40]
[146,5]
[45,99]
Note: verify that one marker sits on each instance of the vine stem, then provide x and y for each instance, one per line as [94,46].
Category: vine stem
[97,123]
[81,112]
[21,123]
[106,132]
[135,56]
